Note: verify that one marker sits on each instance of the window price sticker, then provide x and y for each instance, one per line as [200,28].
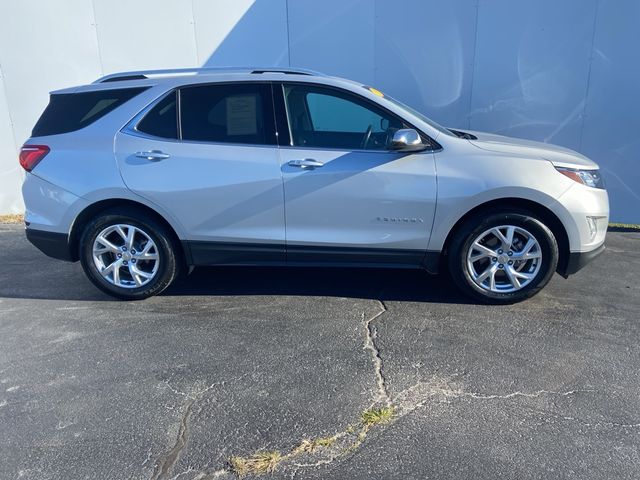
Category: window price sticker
[241,115]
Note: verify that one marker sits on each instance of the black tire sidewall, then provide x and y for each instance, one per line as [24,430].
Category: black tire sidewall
[473,228]
[167,270]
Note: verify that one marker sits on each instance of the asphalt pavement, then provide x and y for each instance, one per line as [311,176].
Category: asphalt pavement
[317,374]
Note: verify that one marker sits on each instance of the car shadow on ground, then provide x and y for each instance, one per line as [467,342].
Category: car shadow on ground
[54,280]
[367,283]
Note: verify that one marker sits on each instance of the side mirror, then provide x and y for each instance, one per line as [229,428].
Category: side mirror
[407,140]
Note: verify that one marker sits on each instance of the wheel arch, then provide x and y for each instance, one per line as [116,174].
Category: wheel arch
[547,216]
[96,208]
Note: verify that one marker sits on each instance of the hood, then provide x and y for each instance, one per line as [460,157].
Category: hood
[559,156]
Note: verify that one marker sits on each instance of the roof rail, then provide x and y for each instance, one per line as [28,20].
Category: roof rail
[291,71]
[122,78]
[142,74]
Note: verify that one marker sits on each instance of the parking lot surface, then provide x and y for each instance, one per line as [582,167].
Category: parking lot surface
[353,374]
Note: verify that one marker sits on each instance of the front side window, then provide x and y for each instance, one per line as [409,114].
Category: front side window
[227,113]
[327,118]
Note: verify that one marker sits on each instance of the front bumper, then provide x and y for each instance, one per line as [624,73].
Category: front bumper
[52,244]
[577,260]
[585,216]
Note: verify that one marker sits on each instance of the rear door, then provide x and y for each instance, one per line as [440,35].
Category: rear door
[348,198]
[207,155]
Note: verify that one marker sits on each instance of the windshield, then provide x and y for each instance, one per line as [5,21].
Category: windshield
[414,112]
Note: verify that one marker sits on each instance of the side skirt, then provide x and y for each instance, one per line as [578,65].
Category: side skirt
[221,253]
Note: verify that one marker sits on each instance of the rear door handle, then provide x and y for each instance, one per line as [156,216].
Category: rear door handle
[306,163]
[153,155]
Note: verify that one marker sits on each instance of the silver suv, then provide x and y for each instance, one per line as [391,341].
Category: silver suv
[141,175]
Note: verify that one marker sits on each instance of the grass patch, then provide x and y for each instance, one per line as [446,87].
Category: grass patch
[267,461]
[261,462]
[311,445]
[624,227]
[376,416]
[13,218]
[347,441]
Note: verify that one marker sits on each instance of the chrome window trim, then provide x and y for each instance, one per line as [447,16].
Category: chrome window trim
[131,127]
[385,151]
[286,112]
[136,133]
[179,112]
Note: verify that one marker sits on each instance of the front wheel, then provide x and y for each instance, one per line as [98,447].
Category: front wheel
[127,255]
[504,257]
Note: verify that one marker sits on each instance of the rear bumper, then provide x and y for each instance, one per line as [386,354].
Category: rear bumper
[53,244]
[577,260]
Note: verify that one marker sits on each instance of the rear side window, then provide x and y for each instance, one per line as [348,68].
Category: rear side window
[228,113]
[162,120]
[68,112]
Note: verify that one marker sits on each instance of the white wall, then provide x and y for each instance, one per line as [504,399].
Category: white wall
[10,175]
[562,72]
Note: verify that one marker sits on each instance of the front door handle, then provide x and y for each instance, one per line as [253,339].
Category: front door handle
[153,155]
[306,163]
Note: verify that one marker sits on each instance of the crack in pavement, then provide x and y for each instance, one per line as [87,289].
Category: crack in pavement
[370,344]
[353,436]
[423,391]
[148,459]
[413,398]
[536,394]
[203,474]
[164,465]
[597,424]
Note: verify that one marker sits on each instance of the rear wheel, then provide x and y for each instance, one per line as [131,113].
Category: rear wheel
[128,256]
[504,257]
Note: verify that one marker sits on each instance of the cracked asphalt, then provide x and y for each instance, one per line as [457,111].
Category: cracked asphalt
[234,361]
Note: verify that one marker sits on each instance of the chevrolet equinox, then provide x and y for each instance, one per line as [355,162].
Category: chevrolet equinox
[142,175]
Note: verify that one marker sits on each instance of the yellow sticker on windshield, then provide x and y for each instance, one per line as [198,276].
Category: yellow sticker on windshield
[375,91]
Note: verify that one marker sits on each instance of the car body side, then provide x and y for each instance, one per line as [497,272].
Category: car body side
[81,175]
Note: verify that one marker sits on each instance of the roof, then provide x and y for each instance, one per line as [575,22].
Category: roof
[173,78]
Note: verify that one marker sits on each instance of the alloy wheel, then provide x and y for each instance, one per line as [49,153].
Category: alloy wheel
[125,256]
[504,259]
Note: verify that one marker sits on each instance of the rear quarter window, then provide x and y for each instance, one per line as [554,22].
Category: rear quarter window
[162,120]
[68,112]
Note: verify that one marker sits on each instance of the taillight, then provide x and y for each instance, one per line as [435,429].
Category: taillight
[30,155]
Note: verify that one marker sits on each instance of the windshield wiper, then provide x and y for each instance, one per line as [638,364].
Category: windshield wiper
[465,135]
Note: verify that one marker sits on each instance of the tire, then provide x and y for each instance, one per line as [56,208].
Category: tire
[141,273]
[517,273]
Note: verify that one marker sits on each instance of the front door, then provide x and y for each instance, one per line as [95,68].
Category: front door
[348,198]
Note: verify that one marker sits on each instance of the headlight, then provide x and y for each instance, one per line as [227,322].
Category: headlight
[590,178]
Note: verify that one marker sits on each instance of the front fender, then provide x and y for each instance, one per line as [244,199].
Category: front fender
[471,178]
